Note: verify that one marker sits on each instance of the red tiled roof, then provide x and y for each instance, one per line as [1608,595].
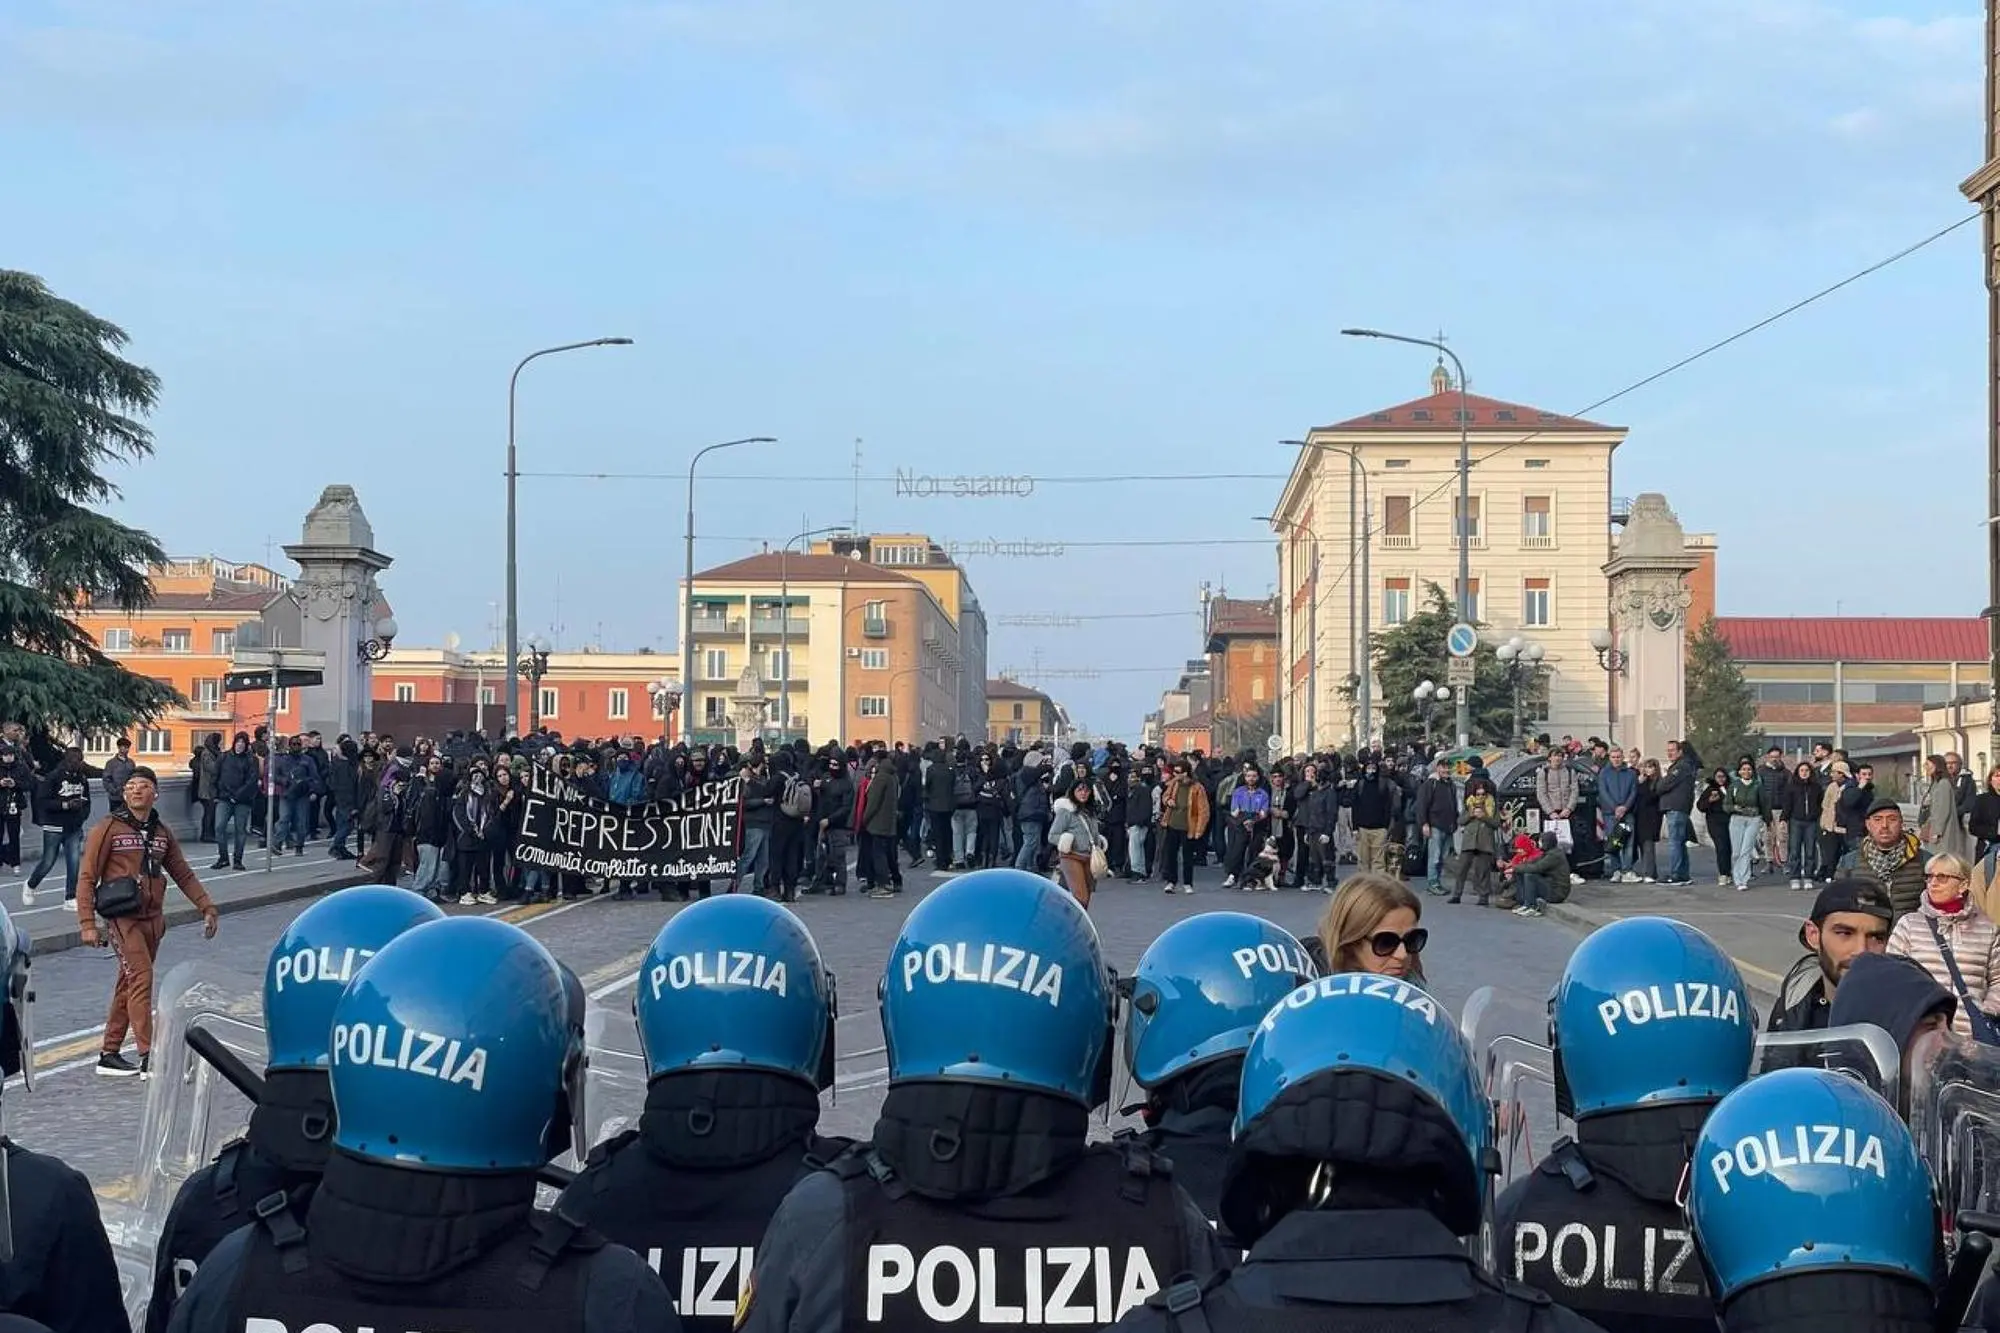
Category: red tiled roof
[1230,617]
[1192,722]
[1854,638]
[766,568]
[215,601]
[1440,411]
[1003,688]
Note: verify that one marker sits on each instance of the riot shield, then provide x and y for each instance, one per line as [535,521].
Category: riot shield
[1955,1117]
[1508,1038]
[191,1109]
[616,1082]
[133,1244]
[1859,1050]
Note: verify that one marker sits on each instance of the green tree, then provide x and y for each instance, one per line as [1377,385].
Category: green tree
[1414,651]
[1721,708]
[1233,735]
[69,408]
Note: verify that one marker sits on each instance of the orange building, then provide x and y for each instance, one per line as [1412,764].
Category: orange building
[1018,714]
[1242,647]
[583,695]
[185,639]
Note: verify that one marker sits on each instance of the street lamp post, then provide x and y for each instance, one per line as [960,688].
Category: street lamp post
[1604,644]
[1359,543]
[513,568]
[1428,696]
[666,698]
[1312,631]
[1464,524]
[1522,658]
[785,624]
[534,664]
[687,588]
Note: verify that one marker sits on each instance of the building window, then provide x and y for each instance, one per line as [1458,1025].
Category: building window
[117,641]
[284,702]
[406,693]
[901,555]
[1257,690]
[1799,692]
[488,695]
[156,740]
[208,694]
[1538,521]
[714,710]
[715,664]
[1537,604]
[1395,601]
[99,742]
[1020,712]
[1534,462]
[779,664]
[1472,602]
[1468,523]
[176,640]
[872,705]
[221,642]
[875,659]
[1397,529]
[1257,653]
[617,702]
[548,702]
[1395,462]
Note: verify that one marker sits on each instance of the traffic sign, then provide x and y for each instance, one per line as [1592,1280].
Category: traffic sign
[1275,743]
[1462,640]
[288,678]
[1459,671]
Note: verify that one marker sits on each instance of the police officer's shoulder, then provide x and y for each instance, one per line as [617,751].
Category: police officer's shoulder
[42,1170]
[204,1306]
[622,1294]
[823,1151]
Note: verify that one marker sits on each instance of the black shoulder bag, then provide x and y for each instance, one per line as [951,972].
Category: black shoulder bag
[123,897]
[1982,1026]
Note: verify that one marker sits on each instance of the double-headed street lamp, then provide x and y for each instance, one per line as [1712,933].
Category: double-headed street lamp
[513,569]
[1464,524]
[666,698]
[785,624]
[1429,695]
[1522,658]
[534,664]
[687,589]
[1312,628]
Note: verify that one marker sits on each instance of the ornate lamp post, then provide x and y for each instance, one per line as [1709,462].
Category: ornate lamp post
[534,664]
[1523,659]
[1429,696]
[666,700]
[376,648]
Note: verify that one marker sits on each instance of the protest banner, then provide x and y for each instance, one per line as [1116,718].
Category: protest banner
[694,836]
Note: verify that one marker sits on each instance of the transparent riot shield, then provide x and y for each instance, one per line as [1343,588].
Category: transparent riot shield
[191,1109]
[1955,1117]
[1859,1050]
[616,1084]
[1508,1036]
[133,1244]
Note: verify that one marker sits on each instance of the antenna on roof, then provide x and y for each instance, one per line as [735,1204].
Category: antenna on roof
[857,484]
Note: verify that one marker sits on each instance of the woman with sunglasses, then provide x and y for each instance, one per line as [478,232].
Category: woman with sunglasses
[1371,926]
[1959,945]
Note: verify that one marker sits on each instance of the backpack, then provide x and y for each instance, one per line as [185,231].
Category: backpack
[961,786]
[798,798]
[628,786]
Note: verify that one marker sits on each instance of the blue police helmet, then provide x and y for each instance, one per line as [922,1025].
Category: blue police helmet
[1649,1012]
[1806,1170]
[998,977]
[455,1049]
[1372,1024]
[317,956]
[1201,989]
[736,983]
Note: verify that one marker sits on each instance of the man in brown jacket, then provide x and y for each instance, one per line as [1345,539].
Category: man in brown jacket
[135,841]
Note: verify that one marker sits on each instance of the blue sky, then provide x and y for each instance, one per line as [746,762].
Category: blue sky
[1097,238]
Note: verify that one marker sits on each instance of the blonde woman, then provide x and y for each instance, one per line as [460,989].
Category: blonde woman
[1959,945]
[1372,926]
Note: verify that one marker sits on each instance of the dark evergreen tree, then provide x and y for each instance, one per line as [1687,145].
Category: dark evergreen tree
[70,407]
[1414,651]
[1721,707]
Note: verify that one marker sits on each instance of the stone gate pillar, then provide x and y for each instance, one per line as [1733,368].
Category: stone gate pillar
[1649,600]
[338,603]
[747,705]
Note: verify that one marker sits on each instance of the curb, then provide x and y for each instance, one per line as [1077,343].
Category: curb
[72,936]
[1588,922]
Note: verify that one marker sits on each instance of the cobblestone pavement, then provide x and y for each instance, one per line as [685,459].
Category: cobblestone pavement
[93,1122]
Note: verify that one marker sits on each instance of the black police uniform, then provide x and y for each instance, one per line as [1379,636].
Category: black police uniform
[1378,1269]
[215,1201]
[62,1272]
[385,1248]
[697,1228]
[1197,1143]
[1575,1230]
[853,1248]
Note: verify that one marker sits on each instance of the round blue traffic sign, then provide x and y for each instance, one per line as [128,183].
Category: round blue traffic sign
[1462,639]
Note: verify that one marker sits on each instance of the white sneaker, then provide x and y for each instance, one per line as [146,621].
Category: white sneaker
[1531,911]
[466,900]
[1187,888]
[1722,879]
[1229,881]
[1170,889]
[27,896]
[486,898]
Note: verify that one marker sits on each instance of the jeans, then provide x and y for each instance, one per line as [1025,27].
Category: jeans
[1674,830]
[1743,841]
[1033,833]
[429,863]
[294,815]
[232,830]
[1530,888]
[1618,860]
[1135,848]
[66,844]
[1802,850]
[342,820]
[964,834]
[1437,852]
[750,861]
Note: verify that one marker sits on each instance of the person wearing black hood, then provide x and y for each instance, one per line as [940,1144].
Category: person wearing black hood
[279,1161]
[17,787]
[734,1071]
[832,824]
[238,783]
[1898,996]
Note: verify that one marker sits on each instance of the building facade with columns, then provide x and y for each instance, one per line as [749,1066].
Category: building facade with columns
[1539,525]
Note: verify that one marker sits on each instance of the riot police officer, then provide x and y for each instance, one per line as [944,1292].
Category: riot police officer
[1651,1025]
[736,1018]
[1812,1210]
[291,1129]
[1198,993]
[457,1064]
[1363,1149]
[56,1265]
[979,1198]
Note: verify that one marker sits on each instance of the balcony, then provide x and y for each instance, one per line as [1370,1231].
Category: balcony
[875,628]
[794,626]
[1538,541]
[718,625]
[1397,541]
[1478,540]
[796,674]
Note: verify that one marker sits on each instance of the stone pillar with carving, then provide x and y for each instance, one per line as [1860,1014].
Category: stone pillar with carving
[339,607]
[747,706]
[1649,599]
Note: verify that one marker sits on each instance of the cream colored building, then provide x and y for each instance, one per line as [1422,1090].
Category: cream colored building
[1541,516]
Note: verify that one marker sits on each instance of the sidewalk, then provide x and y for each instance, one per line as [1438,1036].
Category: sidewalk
[1759,928]
[51,923]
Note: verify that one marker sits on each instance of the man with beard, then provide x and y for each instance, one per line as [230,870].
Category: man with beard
[1849,918]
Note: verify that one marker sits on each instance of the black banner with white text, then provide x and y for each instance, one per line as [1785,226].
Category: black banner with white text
[564,828]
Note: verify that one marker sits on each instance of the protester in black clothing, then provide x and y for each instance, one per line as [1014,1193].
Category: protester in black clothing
[992,790]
